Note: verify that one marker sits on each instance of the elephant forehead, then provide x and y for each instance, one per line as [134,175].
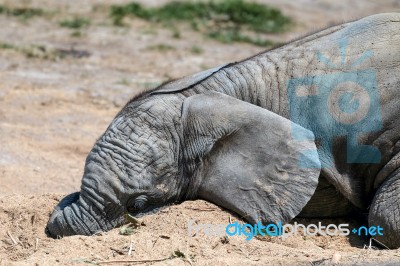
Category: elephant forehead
[140,145]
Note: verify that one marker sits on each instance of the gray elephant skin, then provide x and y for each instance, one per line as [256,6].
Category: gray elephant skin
[268,138]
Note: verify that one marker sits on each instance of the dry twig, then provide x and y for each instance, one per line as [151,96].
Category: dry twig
[133,261]
[12,238]
[202,209]
[380,243]
[130,248]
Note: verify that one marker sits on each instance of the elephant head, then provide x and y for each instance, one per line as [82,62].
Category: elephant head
[133,167]
[166,148]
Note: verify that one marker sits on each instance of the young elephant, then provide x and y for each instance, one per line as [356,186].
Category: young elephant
[244,135]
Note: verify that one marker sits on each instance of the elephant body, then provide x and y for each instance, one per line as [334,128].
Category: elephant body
[310,128]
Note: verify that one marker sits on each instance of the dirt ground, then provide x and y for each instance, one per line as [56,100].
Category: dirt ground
[60,89]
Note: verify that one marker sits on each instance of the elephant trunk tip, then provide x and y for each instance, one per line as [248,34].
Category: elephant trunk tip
[53,228]
[65,217]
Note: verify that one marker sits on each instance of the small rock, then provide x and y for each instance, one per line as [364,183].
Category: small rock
[224,240]
[336,258]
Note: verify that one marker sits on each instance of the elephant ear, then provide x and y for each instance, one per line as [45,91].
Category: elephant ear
[244,158]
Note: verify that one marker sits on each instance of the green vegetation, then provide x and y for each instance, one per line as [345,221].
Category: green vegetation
[234,35]
[127,230]
[44,52]
[176,34]
[149,31]
[150,85]
[161,47]
[223,20]
[6,46]
[257,17]
[75,23]
[76,34]
[32,51]
[179,254]
[22,12]
[124,81]
[196,50]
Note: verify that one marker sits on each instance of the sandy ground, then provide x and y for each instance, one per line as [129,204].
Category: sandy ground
[53,108]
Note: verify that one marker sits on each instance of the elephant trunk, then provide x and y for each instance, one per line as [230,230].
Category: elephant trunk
[74,216]
[66,215]
[70,218]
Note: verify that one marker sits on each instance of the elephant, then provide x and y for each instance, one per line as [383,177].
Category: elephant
[307,129]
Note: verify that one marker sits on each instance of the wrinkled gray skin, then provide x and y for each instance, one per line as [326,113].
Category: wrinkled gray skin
[223,135]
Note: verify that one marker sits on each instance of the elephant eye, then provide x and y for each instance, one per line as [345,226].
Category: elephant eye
[136,204]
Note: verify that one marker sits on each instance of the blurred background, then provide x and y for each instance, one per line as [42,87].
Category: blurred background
[67,67]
